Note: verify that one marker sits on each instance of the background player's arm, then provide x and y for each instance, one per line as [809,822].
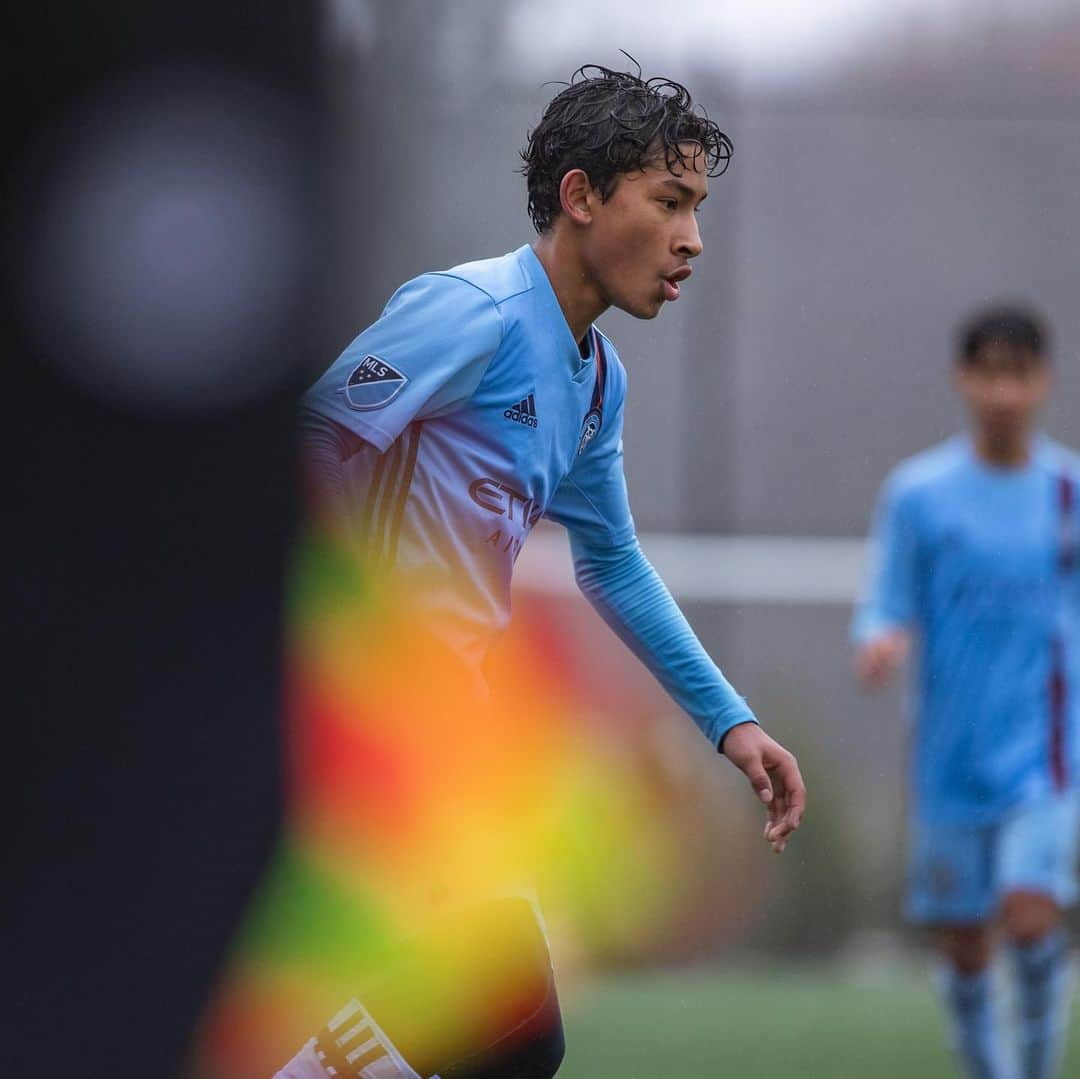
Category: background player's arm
[881,629]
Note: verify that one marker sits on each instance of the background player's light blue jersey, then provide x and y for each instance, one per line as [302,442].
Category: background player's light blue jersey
[461,417]
[484,355]
[981,563]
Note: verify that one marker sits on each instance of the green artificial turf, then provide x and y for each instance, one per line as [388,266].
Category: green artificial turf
[797,1024]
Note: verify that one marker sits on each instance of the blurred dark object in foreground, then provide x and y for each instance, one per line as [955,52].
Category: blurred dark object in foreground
[149,508]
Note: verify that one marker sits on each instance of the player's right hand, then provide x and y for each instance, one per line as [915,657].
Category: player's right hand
[877,661]
[774,774]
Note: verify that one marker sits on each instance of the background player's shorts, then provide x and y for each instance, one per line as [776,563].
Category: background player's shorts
[959,874]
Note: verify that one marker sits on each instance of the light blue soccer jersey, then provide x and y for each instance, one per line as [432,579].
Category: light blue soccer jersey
[471,413]
[982,563]
[485,417]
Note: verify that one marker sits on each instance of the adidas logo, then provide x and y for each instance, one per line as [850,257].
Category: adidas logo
[523,412]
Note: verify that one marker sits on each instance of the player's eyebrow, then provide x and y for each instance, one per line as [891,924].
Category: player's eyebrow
[684,189]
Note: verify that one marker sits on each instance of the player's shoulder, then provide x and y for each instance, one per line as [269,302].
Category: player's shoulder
[444,298]
[458,303]
[1059,458]
[928,470]
[499,279]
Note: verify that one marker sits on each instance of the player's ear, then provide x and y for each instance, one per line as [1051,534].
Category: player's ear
[574,196]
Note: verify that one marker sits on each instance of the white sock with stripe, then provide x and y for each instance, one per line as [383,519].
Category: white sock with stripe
[1044,988]
[976,1031]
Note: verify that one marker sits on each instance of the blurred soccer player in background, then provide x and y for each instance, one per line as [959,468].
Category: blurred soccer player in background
[483,399]
[974,567]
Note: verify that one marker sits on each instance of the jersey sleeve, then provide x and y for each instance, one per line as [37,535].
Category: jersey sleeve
[621,584]
[629,595]
[591,502]
[889,597]
[425,355]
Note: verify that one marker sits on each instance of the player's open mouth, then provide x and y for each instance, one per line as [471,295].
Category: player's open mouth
[671,282]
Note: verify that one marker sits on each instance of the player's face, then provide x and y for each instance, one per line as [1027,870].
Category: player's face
[641,240]
[1004,390]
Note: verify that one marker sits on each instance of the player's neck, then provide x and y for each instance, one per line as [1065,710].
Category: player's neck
[1002,451]
[571,282]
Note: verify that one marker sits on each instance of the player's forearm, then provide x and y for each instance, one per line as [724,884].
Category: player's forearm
[888,599]
[629,595]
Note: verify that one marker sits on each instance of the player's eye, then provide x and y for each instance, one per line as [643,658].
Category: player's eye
[669,204]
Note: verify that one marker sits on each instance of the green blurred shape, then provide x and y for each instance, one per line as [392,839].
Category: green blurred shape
[325,575]
[306,919]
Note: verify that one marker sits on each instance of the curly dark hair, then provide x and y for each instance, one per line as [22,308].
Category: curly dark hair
[1018,325]
[610,122]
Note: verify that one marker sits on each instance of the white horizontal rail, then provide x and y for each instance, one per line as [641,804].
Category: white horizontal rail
[716,568]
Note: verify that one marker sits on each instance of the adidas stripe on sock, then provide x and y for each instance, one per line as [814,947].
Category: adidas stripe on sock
[1044,987]
[975,1026]
[352,1045]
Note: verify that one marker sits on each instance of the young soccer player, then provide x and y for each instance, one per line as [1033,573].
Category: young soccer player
[975,566]
[485,398]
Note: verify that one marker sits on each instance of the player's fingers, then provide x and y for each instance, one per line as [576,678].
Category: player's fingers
[874,674]
[759,780]
[797,802]
[776,837]
[866,664]
[779,805]
[786,824]
[776,813]
[874,666]
[776,826]
[789,803]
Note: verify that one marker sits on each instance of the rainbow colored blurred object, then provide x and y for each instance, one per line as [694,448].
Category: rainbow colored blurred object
[417,794]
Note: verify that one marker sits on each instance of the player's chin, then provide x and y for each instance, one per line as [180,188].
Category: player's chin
[644,308]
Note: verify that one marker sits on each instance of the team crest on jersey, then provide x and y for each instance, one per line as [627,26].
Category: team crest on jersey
[373,384]
[589,430]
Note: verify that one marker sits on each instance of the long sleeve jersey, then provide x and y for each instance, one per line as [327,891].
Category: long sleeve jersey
[466,413]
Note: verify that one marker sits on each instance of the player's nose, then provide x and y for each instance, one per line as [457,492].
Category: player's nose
[1007,393]
[689,244]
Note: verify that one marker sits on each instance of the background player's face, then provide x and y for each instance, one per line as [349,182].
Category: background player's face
[1003,389]
[646,233]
